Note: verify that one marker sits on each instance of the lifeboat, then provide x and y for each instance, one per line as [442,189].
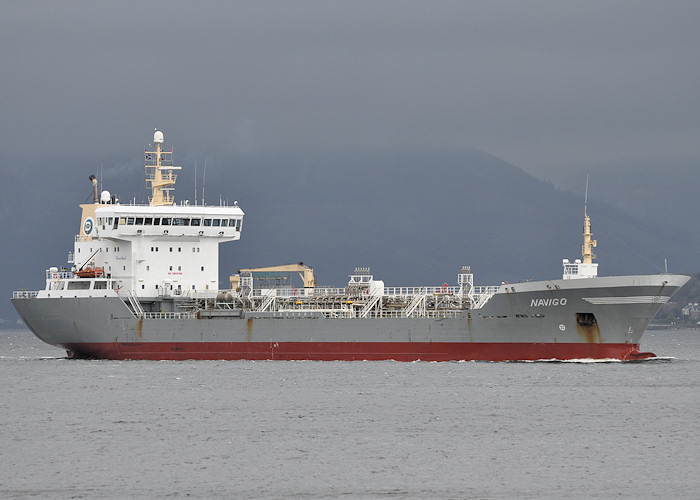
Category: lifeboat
[90,272]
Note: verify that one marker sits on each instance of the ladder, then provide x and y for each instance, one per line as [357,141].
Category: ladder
[269,299]
[135,304]
[418,299]
[369,305]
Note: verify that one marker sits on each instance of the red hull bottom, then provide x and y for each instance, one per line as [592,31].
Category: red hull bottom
[352,351]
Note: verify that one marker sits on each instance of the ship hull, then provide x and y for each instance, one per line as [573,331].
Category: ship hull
[599,318]
[354,351]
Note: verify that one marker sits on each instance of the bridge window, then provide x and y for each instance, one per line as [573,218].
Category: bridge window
[216,222]
[139,221]
[196,222]
[130,221]
[207,222]
[165,221]
[148,221]
[156,221]
[224,222]
[177,221]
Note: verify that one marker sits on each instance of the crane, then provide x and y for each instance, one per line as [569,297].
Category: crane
[306,273]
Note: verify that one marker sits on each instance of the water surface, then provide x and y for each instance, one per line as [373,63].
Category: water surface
[281,429]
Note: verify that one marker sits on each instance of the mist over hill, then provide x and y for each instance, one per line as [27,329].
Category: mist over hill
[417,218]
[414,217]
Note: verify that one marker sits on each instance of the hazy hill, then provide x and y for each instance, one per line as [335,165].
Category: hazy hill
[665,191]
[414,218]
[417,218]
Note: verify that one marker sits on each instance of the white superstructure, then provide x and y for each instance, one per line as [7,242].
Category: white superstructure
[159,249]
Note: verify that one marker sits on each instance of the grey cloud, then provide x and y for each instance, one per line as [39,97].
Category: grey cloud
[541,84]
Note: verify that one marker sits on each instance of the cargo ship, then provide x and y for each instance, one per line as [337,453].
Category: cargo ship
[142,283]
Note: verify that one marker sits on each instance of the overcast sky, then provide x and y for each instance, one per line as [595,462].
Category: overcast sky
[545,85]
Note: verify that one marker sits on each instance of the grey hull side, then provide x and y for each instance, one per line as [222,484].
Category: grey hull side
[538,312]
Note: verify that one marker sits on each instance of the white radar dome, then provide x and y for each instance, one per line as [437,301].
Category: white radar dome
[158,137]
[105,197]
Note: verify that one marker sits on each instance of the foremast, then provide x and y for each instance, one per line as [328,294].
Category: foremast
[585,268]
[588,242]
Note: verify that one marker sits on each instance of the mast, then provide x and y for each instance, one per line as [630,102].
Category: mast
[588,243]
[161,178]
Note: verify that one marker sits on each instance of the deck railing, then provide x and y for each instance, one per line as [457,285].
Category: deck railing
[58,275]
[342,313]
[169,315]
[395,291]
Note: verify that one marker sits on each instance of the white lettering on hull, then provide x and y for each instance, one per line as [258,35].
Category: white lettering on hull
[547,302]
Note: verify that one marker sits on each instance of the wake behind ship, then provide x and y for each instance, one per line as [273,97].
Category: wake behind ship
[143,284]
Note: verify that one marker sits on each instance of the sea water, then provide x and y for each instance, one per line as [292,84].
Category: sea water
[351,430]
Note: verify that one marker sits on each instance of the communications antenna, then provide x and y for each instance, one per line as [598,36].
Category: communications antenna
[204,180]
